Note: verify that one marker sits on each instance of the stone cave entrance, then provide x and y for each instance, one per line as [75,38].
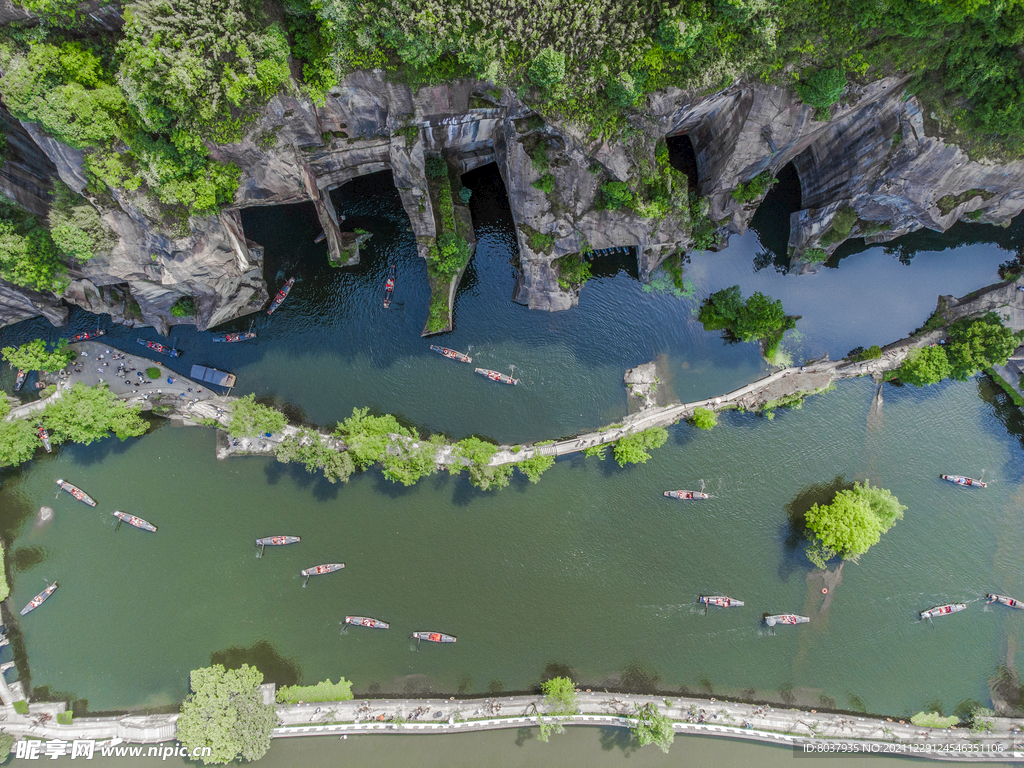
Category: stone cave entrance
[683,157]
[771,220]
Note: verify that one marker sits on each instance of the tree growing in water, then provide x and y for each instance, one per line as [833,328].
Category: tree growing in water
[87,414]
[34,356]
[759,318]
[18,440]
[226,713]
[632,449]
[851,524]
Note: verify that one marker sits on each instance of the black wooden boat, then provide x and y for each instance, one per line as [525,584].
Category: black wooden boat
[452,354]
[86,336]
[433,637]
[19,380]
[943,610]
[785,618]
[39,599]
[496,376]
[967,482]
[233,337]
[170,351]
[684,495]
[328,568]
[77,492]
[1008,601]
[138,522]
[45,437]
[721,601]
[365,621]
[281,295]
[389,287]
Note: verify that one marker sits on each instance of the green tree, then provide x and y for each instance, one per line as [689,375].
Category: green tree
[35,356]
[28,255]
[226,713]
[652,727]
[488,478]
[249,418]
[76,227]
[758,318]
[704,418]
[560,701]
[184,307]
[852,523]
[18,439]
[823,88]
[632,449]
[978,344]
[86,414]
[548,68]
[368,437]
[407,461]
[924,366]
[535,466]
[308,448]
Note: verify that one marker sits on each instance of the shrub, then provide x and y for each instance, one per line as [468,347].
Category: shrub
[823,88]
[184,307]
[435,167]
[616,195]
[545,184]
[76,227]
[573,271]
[453,255]
[548,68]
[856,355]
[632,449]
[535,466]
[21,707]
[368,437]
[322,691]
[309,449]
[814,255]
[465,194]
[249,418]
[153,373]
[704,418]
[842,223]
[756,188]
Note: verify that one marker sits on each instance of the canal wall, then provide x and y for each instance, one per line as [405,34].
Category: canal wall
[763,723]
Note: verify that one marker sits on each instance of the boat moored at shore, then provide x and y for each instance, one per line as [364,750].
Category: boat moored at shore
[366,621]
[452,354]
[497,376]
[45,437]
[967,482]
[169,351]
[686,495]
[86,336]
[19,380]
[281,295]
[943,610]
[77,492]
[39,599]
[138,522]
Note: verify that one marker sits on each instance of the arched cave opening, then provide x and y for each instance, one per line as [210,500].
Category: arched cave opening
[683,157]
[771,220]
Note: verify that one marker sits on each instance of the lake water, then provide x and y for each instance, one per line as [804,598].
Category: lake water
[592,570]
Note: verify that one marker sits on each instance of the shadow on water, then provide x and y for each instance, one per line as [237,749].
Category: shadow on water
[618,738]
[638,677]
[26,558]
[101,450]
[771,220]
[793,533]
[265,657]
[556,669]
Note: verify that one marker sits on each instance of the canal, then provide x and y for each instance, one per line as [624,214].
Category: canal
[591,570]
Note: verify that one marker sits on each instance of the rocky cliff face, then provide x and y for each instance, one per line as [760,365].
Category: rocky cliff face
[873,157]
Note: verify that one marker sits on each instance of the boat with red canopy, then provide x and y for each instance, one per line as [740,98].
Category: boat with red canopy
[452,354]
[496,376]
[77,492]
[433,637]
[45,437]
[138,522]
[366,621]
[389,287]
[86,336]
[19,380]
[233,337]
[943,610]
[170,351]
[320,569]
[785,618]
[39,599]
[685,495]
[721,601]
[1008,601]
[967,482]
[277,541]
[281,295]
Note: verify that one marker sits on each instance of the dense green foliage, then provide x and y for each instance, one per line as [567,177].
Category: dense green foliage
[406,461]
[704,418]
[184,307]
[841,225]
[755,189]
[632,449]
[758,318]
[153,372]
[310,450]
[37,356]
[925,366]
[28,255]
[368,437]
[86,414]
[76,227]
[573,271]
[322,691]
[933,720]
[973,345]
[226,713]
[535,466]
[560,701]
[249,418]
[18,439]
[852,523]
[858,354]
[823,89]
[652,727]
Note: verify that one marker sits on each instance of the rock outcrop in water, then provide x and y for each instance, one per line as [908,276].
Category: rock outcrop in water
[873,161]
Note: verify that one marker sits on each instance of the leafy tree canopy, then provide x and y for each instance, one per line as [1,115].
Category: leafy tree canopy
[535,466]
[18,440]
[322,691]
[86,414]
[925,366]
[226,713]
[309,449]
[823,88]
[560,697]
[28,255]
[632,449]
[76,227]
[978,344]
[368,437]
[704,418]
[36,356]
[852,523]
[249,418]
[652,727]
[406,462]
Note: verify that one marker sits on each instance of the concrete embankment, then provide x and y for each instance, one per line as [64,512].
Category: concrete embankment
[1003,742]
